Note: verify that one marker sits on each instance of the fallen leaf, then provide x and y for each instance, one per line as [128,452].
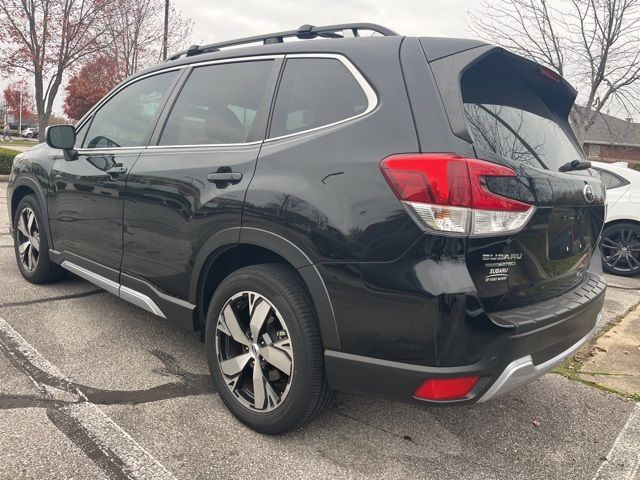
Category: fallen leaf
[407,438]
[600,349]
[626,352]
[536,423]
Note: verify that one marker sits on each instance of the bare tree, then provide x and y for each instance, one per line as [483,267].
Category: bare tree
[135,34]
[595,44]
[44,39]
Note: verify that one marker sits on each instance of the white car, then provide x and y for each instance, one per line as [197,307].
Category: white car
[29,132]
[620,243]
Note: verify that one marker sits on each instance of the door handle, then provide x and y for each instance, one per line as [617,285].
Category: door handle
[224,176]
[116,170]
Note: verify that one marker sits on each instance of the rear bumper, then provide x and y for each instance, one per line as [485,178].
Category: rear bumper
[511,362]
[523,370]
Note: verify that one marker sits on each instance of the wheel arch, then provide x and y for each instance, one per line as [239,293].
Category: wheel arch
[235,248]
[25,185]
[620,220]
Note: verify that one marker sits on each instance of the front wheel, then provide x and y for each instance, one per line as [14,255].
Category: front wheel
[264,349]
[620,247]
[32,245]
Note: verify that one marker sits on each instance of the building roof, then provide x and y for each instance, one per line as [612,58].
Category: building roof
[610,130]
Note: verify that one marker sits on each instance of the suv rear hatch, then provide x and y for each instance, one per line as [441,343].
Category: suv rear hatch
[516,114]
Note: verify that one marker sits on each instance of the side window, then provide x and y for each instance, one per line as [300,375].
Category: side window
[127,118]
[80,134]
[610,180]
[314,92]
[217,104]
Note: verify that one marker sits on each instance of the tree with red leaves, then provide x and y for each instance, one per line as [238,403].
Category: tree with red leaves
[132,40]
[89,85]
[11,96]
[44,39]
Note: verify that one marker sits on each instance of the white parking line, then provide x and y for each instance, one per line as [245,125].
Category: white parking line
[623,461]
[110,447]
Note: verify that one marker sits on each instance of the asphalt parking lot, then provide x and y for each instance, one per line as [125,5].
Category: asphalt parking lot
[93,387]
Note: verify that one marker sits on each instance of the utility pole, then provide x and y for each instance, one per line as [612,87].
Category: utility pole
[20,115]
[165,37]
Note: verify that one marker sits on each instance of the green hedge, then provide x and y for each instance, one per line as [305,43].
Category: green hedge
[635,166]
[6,159]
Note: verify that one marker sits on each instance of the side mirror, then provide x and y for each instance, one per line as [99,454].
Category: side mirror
[63,137]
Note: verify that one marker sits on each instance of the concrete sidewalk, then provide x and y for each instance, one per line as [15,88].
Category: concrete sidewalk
[615,358]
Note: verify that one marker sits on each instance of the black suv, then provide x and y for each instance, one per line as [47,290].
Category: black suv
[407,217]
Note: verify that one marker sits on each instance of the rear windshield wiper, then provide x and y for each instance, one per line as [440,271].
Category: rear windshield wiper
[575,165]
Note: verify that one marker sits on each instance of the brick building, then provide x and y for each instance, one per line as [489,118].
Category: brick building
[612,139]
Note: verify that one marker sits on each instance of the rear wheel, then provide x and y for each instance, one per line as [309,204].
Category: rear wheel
[32,245]
[264,349]
[620,247]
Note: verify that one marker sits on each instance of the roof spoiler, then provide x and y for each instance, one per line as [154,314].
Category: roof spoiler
[448,71]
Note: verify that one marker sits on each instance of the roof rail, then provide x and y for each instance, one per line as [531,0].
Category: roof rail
[305,32]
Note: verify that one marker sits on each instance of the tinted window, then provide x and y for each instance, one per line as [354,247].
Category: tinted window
[314,92]
[506,117]
[127,118]
[610,180]
[80,133]
[218,104]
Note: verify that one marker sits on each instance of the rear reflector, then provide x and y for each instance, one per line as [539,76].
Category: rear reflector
[448,193]
[446,388]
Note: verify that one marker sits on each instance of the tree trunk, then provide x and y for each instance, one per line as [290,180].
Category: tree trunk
[43,121]
[40,105]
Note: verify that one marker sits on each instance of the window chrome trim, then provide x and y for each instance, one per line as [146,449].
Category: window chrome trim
[111,94]
[252,58]
[206,145]
[107,151]
[372,97]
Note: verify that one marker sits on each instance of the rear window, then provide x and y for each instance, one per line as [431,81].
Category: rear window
[611,180]
[507,118]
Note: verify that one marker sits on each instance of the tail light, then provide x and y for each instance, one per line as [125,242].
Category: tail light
[448,193]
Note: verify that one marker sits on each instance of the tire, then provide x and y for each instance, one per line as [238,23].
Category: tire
[289,401]
[620,247]
[31,244]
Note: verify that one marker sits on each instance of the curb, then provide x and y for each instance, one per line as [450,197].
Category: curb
[4,178]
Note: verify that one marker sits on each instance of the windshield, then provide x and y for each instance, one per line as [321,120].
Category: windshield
[520,135]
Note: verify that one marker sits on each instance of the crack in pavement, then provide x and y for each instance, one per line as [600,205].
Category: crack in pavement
[71,407]
[192,384]
[52,299]
[371,425]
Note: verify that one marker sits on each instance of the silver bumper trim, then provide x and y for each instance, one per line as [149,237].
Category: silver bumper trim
[523,370]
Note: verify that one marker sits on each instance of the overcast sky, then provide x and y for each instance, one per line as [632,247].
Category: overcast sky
[216,21]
